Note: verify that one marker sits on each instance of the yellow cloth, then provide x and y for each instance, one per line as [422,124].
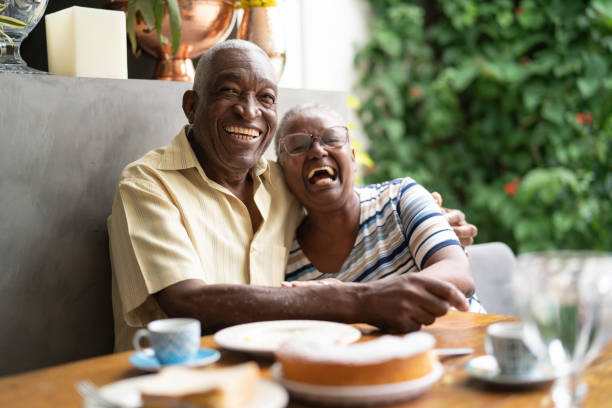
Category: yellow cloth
[170,223]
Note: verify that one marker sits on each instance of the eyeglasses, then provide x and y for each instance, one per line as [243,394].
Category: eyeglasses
[299,143]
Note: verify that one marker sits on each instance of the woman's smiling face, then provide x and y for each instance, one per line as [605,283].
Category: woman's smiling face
[322,177]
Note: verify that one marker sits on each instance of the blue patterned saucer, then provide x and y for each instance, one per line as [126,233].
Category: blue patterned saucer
[145,360]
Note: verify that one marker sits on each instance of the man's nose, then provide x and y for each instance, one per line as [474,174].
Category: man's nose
[247,107]
[316,150]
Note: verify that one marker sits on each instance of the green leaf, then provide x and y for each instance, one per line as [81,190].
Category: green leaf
[175,24]
[145,7]
[588,86]
[12,22]
[553,110]
[158,10]
[131,11]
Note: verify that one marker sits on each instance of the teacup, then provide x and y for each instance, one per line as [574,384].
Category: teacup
[505,342]
[173,340]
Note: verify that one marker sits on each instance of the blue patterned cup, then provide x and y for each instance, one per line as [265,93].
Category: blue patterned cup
[505,341]
[173,340]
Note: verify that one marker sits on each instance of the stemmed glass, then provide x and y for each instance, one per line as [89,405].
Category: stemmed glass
[561,296]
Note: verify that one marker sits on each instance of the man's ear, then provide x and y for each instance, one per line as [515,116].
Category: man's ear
[190,102]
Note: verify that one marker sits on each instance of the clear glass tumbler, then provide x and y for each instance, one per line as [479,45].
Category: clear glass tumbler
[17,19]
[562,298]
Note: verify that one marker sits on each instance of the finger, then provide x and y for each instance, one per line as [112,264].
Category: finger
[406,326]
[455,217]
[466,242]
[465,231]
[436,196]
[448,292]
[423,316]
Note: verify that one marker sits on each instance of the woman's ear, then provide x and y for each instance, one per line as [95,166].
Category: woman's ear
[190,102]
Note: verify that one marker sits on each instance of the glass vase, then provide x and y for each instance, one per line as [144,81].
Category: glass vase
[17,19]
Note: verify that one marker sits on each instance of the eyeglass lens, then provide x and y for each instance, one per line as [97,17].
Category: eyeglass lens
[301,142]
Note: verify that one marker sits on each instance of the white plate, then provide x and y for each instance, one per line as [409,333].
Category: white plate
[485,368]
[359,395]
[268,394]
[263,338]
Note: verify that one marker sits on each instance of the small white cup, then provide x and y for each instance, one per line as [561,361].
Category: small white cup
[173,340]
[505,342]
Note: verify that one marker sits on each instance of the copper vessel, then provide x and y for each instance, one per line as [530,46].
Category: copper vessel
[204,23]
[264,27]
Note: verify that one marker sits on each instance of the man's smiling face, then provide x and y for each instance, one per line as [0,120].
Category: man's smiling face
[235,117]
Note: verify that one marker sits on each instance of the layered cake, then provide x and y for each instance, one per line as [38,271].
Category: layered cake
[209,388]
[386,360]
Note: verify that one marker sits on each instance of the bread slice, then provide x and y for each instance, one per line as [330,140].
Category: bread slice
[185,387]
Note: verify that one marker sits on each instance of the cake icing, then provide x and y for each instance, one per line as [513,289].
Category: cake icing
[318,348]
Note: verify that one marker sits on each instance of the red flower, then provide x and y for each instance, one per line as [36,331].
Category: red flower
[416,93]
[511,187]
[518,10]
[584,118]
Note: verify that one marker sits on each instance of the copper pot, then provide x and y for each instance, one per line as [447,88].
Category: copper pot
[264,27]
[204,23]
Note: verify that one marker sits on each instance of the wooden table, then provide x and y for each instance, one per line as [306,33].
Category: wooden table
[54,387]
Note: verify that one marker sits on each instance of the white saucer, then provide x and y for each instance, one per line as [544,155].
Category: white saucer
[145,360]
[358,395]
[263,338]
[267,394]
[485,368]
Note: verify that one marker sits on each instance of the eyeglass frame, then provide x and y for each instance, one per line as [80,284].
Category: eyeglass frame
[313,138]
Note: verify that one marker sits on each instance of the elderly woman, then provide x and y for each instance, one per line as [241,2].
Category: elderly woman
[366,233]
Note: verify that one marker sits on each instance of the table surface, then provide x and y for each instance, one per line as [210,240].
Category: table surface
[54,386]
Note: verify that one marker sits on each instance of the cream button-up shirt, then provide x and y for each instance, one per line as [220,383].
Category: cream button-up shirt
[170,223]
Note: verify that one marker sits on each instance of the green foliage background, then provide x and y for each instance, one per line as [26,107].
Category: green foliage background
[475,97]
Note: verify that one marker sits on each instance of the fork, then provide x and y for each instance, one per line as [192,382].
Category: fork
[89,391]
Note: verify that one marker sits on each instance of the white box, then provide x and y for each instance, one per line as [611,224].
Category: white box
[87,42]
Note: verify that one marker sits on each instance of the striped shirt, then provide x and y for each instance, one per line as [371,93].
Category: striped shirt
[170,222]
[401,227]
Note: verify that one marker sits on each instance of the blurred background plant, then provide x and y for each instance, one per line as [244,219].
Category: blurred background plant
[503,106]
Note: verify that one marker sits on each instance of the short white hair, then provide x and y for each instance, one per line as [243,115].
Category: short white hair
[204,63]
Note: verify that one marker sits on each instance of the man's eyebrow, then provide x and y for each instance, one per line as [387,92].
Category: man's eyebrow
[237,77]
[228,76]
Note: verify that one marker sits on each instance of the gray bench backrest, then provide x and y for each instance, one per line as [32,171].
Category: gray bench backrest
[64,144]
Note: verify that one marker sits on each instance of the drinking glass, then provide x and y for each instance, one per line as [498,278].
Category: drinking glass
[561,296]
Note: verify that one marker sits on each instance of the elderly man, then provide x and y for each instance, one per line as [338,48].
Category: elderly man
[202,227]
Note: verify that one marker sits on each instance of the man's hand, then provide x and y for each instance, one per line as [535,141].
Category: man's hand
[405,303]
[465,232]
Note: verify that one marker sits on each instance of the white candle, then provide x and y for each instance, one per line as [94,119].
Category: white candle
[87,42]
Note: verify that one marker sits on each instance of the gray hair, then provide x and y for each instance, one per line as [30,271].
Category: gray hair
[204,63]
[291,113]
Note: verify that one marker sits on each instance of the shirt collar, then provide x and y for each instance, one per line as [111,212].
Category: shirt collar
[179,155]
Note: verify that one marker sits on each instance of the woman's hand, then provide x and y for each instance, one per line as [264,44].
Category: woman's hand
[465,232]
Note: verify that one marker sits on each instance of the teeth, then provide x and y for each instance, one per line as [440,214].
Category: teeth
[328,169]
[323,181]
[242,133]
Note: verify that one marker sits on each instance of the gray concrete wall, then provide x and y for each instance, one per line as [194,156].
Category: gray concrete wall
[64,144]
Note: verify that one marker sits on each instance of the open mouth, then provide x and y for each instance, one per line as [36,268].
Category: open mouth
[242,133]
[321,175]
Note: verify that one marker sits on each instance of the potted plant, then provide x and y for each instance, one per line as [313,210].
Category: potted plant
[174,31]
[152,13]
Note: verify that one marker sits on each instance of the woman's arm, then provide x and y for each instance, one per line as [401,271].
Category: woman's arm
[450,264]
